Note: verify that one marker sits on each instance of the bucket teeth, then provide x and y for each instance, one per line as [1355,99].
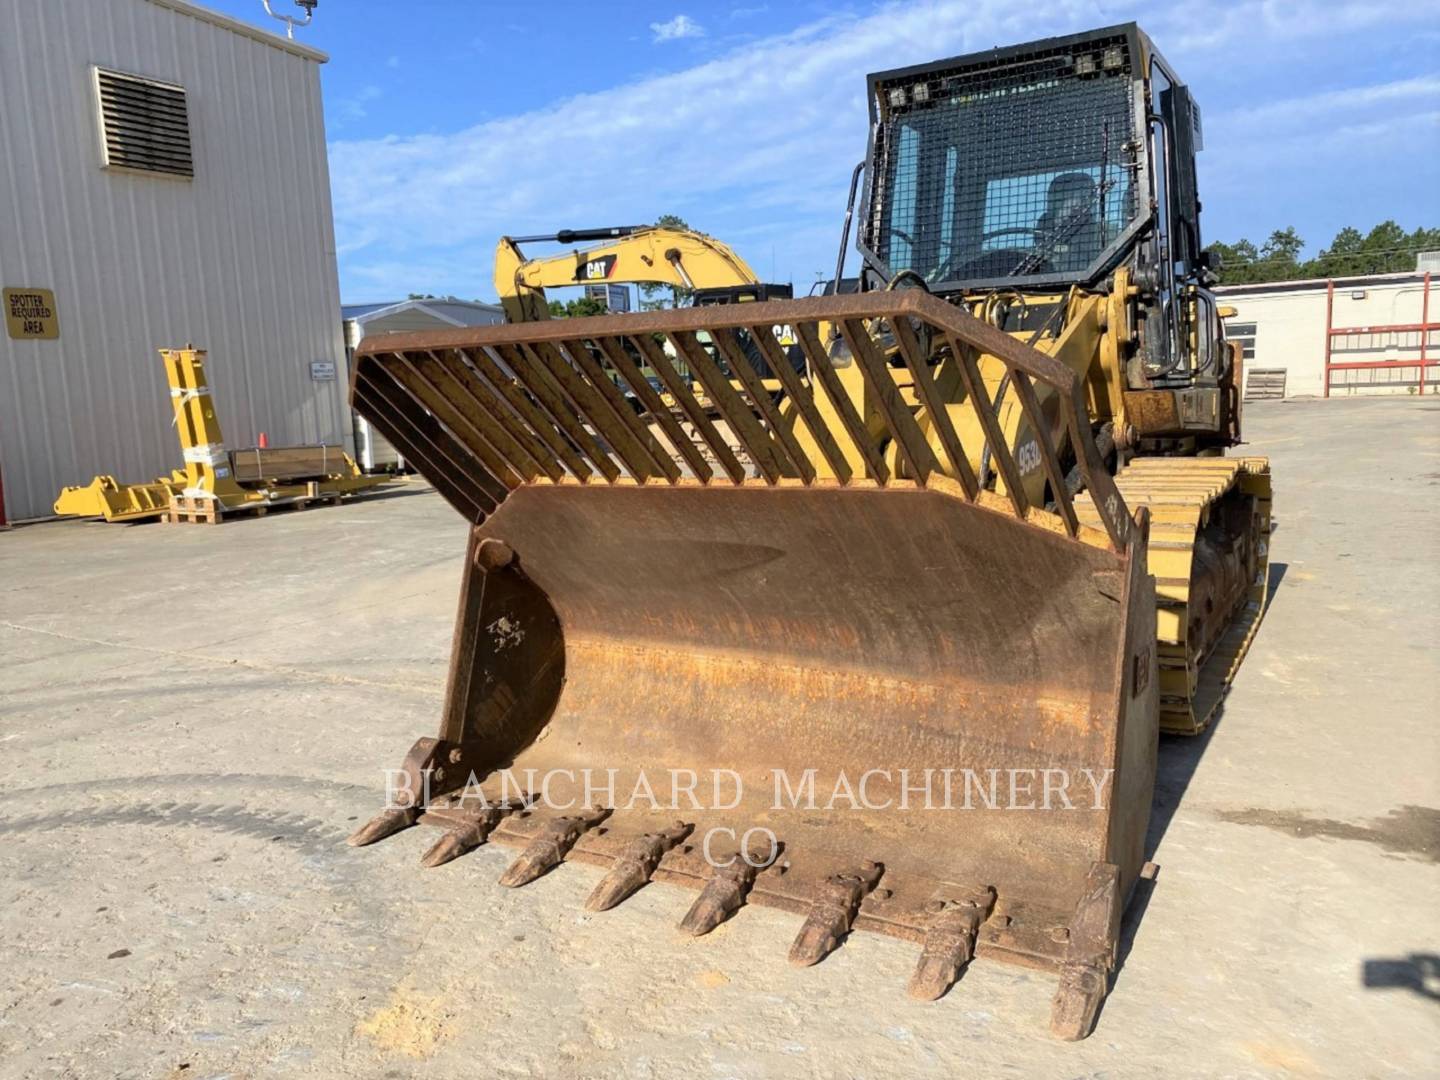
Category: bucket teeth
[634,866]
[549,847]
[451,845]
[949,945]
[384,824]
[837,898]
[722,896]
[725,892]
[462,838]
[1077,1002]
[1089,955]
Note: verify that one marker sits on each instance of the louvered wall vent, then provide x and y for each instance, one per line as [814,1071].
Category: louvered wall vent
[145,124]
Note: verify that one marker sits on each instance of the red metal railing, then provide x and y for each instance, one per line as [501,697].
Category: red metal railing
[1423,328]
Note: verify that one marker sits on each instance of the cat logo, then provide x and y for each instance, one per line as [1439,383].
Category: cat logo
[596,269]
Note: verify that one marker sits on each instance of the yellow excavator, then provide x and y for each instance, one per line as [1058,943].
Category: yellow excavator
[898,659]
[709,270]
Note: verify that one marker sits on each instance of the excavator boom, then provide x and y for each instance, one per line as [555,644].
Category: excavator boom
[647,254]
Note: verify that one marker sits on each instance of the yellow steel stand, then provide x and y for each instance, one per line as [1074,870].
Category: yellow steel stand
[205,488]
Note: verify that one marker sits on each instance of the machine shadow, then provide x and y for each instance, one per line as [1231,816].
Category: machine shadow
[1418,973]
[1178,759]
[1277,575]
[1180,755]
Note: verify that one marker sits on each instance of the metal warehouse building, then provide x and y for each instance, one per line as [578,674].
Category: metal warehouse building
[163,181]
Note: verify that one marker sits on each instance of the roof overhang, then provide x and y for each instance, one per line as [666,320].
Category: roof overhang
[1319,285]
[244,29]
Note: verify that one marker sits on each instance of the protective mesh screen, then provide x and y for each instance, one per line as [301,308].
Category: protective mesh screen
[1014,168]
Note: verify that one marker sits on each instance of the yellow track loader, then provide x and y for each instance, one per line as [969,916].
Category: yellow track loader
[896,656]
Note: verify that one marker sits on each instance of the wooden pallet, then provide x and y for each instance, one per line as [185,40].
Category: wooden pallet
[1265,384]
[190,509]
[196,511]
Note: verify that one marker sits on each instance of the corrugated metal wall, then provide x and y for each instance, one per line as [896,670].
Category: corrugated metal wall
[241,260]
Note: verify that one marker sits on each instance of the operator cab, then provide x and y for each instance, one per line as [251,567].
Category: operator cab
[1015,168]
[1039,168]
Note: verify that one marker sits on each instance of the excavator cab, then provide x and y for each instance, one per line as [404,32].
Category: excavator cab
[741,294]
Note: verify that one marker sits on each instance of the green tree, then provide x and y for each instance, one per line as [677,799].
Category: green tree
[1280,256]
[1342,256]
[650,290]
[1385,249]
[1384,239]
[1235,260]
[1426,240]
[578,308]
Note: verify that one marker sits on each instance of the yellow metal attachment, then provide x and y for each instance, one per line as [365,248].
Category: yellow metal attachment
[207,478]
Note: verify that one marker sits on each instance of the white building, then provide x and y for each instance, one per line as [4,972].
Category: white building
[393,317]
[1374,320]
[373,450]
[163,181]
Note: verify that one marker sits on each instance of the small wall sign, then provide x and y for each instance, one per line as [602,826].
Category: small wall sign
[322,370]
[30,314]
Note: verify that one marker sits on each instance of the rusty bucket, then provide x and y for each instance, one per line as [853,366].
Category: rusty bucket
[901,704]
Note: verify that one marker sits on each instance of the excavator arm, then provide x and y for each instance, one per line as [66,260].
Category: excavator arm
[628,253]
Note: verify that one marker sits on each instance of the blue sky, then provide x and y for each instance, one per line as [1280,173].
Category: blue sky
[453,122]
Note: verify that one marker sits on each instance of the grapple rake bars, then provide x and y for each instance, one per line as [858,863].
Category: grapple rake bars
[508,404]
[740,599]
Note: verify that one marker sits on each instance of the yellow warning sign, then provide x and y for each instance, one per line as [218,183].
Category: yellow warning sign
[30,313]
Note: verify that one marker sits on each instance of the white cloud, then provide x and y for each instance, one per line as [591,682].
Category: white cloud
[681,26]
[1328,103]
[353,107]
[1377,141]
[1197,27]
[755,146]
[761,139]
[1258,150]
